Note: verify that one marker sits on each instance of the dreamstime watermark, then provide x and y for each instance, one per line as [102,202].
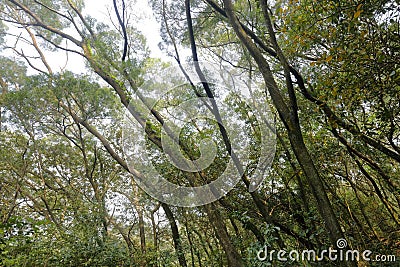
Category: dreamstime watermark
[179,117]
[341,253]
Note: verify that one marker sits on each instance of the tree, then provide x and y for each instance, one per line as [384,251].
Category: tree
[328,70]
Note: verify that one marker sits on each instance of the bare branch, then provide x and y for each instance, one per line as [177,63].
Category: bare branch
[36,46]
[123,26]
[27,59]
[40,23]
[60,47]
[71,4]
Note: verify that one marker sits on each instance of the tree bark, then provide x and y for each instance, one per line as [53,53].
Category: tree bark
[232,255]
[175,235]
[287,115]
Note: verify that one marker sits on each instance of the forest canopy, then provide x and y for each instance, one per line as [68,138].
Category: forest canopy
[264,126]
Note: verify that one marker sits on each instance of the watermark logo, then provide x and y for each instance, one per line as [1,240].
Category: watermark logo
[341,253]
[341,243]
[180,146]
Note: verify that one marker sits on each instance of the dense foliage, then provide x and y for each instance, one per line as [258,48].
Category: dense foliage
[328,70]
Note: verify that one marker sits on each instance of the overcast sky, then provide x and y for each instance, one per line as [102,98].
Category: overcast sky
[147,24]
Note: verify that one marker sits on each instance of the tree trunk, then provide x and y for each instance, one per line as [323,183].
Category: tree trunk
[232,255]
[287,115]
[175,235]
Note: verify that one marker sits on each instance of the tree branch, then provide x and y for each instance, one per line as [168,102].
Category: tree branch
[123,26]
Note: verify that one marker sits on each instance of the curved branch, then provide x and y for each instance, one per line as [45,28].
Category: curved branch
[40,23]
[123,26]
[81,18]
[331,115]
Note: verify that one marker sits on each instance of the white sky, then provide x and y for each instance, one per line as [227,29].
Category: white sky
[146,23]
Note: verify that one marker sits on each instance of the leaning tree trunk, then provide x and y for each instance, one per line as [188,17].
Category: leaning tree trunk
[288,115]
[175,235]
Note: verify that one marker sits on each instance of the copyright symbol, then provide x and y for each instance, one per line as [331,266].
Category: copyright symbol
[183,158]
[341,243]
